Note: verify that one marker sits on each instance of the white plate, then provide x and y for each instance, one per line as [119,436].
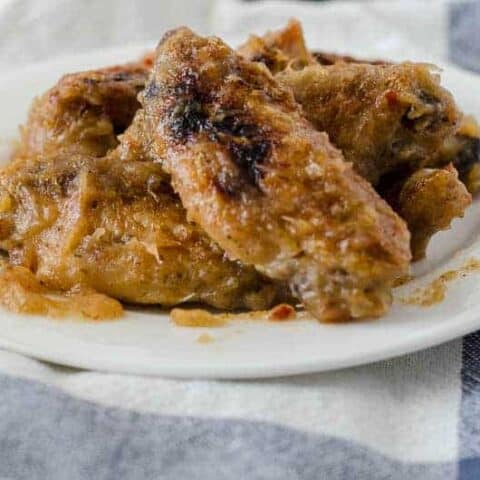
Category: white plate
[145,342]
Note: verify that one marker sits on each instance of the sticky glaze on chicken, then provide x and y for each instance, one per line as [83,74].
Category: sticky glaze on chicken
[266,185]
[84,111]
[462,149]
[383,117]
[428,200]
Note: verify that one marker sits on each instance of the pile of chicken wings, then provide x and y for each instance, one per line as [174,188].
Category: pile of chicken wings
[238,179]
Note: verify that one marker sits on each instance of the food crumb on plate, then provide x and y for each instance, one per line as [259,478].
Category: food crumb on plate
[281,313]
[196,317]
[436,290]
[205,338]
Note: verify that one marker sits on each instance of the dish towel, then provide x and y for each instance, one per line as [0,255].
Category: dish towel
[415,417]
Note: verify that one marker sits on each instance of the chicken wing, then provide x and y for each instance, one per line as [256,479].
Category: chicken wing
[418,201]
[266,185]
[428,200]
[383,117]
[462,149]
[84,111]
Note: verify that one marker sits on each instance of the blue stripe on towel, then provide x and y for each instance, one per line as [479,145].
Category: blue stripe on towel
[464,34]
[47,434]
[469,425]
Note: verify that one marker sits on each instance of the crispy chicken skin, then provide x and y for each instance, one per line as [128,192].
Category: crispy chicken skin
[383,117]
[266,185]
[461,149]
[418,204]
[112,224]
[428,200]
[388,118]
[84,111]
[280,49]
[118,228]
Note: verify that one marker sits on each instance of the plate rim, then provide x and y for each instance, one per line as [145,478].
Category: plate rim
[465,323]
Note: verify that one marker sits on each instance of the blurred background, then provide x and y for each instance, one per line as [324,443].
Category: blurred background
[432,30]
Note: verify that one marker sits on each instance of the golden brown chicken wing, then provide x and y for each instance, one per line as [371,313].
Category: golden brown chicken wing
[419,199]
[383,117]
[279,49]
[84,111]
[266,185]
[462,149]
[118,228]
[428,200]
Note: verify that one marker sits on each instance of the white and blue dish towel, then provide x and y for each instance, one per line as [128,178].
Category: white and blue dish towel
[416,417]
